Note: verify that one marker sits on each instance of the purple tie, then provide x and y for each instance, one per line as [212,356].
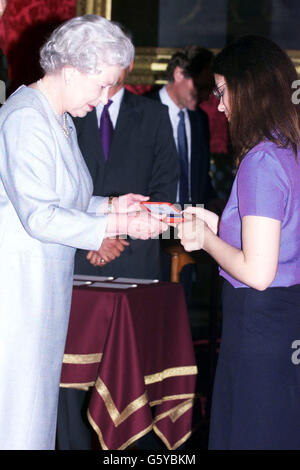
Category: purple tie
[106,129]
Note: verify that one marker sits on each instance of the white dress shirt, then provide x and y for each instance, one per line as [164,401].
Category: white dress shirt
[174,118]
[113,109]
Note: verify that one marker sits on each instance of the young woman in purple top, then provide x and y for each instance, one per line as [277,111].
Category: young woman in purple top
[256,399]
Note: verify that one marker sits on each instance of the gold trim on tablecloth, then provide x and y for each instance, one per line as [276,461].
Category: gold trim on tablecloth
[79,386]
[172,397]
[177,411]
[171,372]
[116,416]
[97,431]
[136,437]
[142,433]
[166,442]
[82,358]
[123,446]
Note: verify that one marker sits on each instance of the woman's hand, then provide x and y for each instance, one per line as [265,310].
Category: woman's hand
[110,249]
[197,222]
[141,225]
[128,203]
[191,232]
[145,226]
[210,218]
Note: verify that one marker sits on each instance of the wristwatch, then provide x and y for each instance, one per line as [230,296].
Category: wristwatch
[110,204]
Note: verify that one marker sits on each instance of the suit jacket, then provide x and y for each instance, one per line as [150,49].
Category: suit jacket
[201,186]
[143,160]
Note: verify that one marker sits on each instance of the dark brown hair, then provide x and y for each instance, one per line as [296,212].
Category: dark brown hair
[192,59]
[259,77]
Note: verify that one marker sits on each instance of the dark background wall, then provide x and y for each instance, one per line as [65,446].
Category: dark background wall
[140,18]
[153,23]
[210,23]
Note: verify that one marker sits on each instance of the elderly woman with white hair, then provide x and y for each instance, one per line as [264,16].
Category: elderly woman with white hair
[46,212]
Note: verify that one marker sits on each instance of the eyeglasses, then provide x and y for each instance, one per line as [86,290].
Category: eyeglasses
[218,93]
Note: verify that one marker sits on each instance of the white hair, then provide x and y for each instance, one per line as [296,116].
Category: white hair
[87,43]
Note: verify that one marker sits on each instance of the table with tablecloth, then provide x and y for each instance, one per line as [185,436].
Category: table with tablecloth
[133,347]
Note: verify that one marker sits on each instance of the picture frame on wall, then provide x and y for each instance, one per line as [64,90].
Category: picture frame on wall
[160,27]
[97,7]
[150,62]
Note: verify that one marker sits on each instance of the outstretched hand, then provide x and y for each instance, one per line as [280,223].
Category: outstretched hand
[144,225]
[140,225]
[128,203]
[210,218]
[191,232]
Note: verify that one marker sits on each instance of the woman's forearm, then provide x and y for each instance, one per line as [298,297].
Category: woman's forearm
[235,263]
[228,257]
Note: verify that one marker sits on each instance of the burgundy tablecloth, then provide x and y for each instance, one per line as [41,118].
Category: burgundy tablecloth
[134,348]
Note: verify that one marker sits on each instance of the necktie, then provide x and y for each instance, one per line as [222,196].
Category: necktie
[183,160]
[106,129]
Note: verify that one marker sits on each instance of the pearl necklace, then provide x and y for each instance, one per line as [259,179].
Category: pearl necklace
[64,126]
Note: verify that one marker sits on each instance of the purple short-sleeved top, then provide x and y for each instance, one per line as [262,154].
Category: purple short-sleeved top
[267,184]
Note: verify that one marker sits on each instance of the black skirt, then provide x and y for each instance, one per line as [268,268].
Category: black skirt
[256,398]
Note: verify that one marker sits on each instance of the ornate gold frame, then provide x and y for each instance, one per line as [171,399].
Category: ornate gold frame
[150,62]
[295,56]
[98,7]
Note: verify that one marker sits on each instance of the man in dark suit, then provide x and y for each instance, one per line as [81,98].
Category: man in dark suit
[141,159]
[190,81]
